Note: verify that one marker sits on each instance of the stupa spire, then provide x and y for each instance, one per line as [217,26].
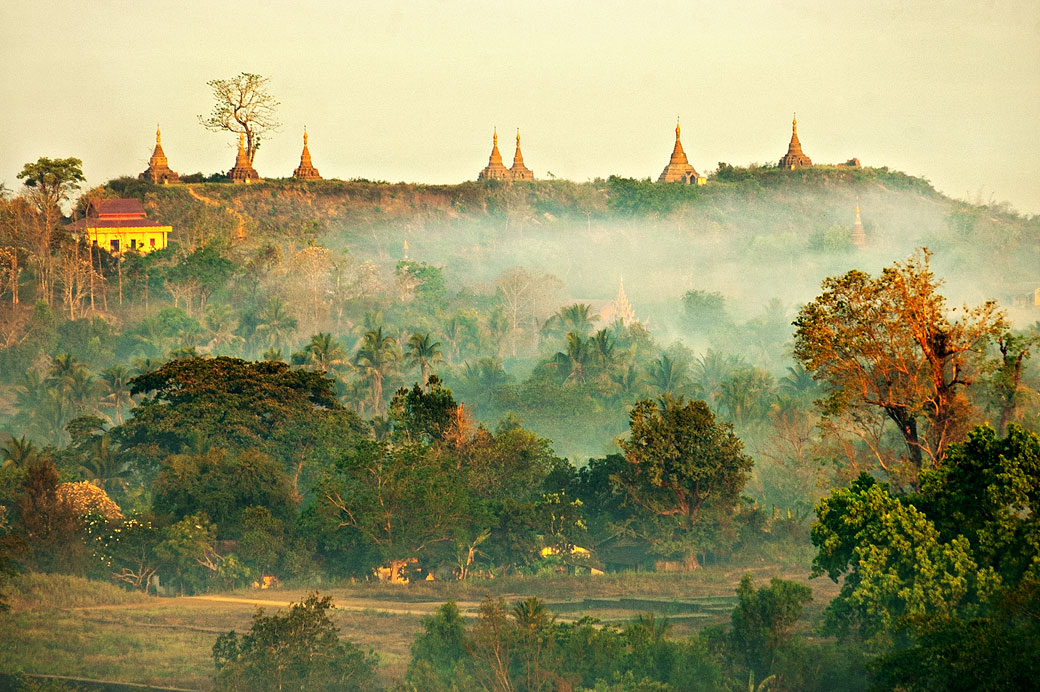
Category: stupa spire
[623,311]
[158,170]
[306,169]
[859,236]
[795,157]
[678,168]
[243,172]
[495,170]
[519,171]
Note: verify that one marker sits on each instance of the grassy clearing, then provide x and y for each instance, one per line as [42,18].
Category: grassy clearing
[35,591]
[66,626]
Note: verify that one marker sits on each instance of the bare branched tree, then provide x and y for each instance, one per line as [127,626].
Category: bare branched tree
[243,105]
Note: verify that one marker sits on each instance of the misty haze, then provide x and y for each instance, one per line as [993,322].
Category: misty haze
[737,400]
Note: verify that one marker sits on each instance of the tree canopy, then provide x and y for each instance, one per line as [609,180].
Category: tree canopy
[291,415]
[297,650]
[683,466]
[890,343]
[243,104]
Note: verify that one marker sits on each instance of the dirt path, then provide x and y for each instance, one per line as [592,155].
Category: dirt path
[214,203]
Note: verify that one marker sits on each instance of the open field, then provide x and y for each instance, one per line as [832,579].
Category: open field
[65,626]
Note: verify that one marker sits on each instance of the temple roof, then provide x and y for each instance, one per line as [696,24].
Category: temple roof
[116,213]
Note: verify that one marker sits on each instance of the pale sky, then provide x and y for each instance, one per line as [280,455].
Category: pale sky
[409,91]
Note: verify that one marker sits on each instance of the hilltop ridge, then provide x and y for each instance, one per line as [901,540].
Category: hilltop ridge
[749,209]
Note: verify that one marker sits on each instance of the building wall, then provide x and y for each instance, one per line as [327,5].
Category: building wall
[142,240]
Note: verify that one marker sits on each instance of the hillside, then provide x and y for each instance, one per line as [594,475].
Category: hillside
[753,216]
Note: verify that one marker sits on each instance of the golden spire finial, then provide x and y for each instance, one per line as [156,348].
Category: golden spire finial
[242,140]
[304,135]
[518,136]
[158,135]
[794,123]
[677,127]
[494,137]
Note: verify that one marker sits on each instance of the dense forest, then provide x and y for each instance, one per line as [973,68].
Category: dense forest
[331,381]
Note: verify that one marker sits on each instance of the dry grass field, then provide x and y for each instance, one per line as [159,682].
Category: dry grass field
[68,626]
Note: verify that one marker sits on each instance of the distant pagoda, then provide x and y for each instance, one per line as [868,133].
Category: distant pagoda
[859,237]
[519,171]
[158,171]
[623,311]
[679,169]
[243,172]
[306,170]
[795,158]
[495,170]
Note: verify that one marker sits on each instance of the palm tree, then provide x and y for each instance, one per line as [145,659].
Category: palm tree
[603,348]
[221,324]
[453,332]
[575,358]
[18,452]
[627,382]
[325,353]
[104,467]
[666,374]
[486,377]
[462,332]
[115,386]
[275,325]
[423,353]
[577,318]
[711,369]
[375,358]
[745,395]
[798,382]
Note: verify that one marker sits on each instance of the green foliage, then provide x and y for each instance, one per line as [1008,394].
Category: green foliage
[291,415]
[524,648]
[428,280]
[763,619]
[1001,652]
[52,180]
[187,553]
[402,500]
[704,312]
[197,275]
[684,470]
[127,549]
[298,650]
[951,552]
[439,650]
[645,198]
[423,415]
[222,485]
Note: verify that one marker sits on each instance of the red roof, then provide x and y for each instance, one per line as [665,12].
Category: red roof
[117,213]
[118,207]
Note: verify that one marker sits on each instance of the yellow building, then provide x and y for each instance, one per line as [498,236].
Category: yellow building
[118,225]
